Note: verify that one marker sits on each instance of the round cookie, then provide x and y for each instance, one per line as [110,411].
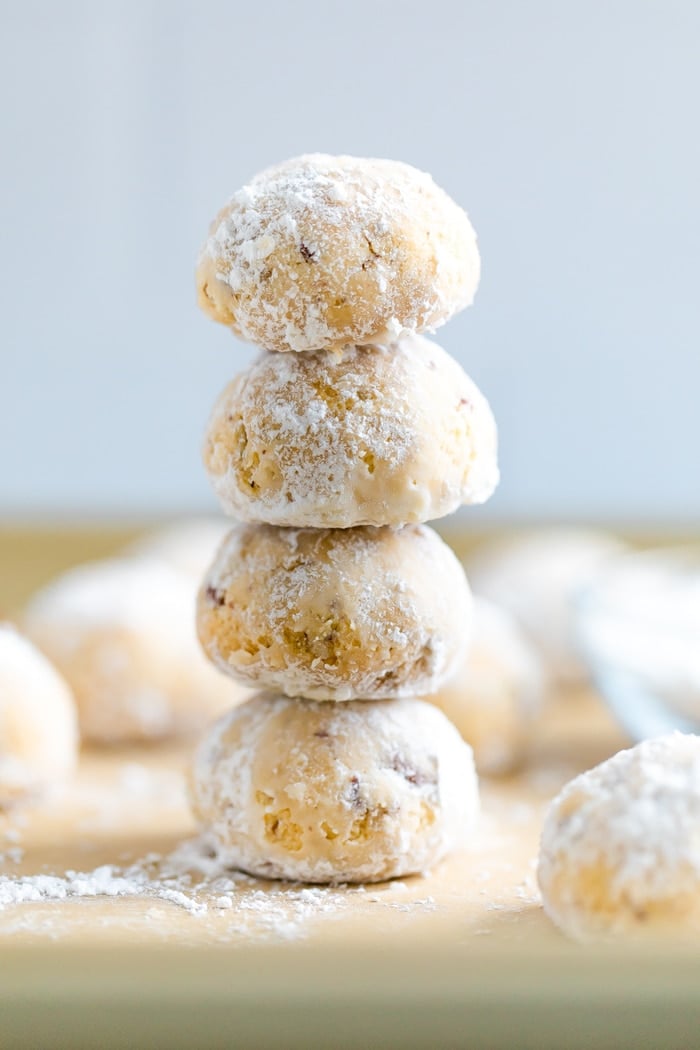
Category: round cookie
[536,577]
[620,849]
[38,722]
[321,251]
[363,436]
[335,614]
[317,792]
[496,691]
[188,545]
[122,632]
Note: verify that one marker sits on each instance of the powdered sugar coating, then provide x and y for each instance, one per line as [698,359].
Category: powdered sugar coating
[334,792]
[321,251]
[620,849]
[366,435]
[335,614]
[122,633]
[496,690]
[38,721]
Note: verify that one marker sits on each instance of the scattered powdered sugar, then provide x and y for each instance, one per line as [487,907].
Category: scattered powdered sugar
[105,881]
[13,855]
[285,913]
[426,903]
[528,891]
[192,879]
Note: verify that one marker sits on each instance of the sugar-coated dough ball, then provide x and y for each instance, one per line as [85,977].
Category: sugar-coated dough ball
[122,632]
[188,544]
[38,721]
[321,251]
[363,436]
[620,850]
[336,614]
[496,690]
[355,792]
[536,576]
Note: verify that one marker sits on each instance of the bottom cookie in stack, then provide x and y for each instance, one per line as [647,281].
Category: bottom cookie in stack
[324,792]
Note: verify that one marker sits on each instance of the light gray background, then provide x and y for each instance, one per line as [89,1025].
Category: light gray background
[569,131]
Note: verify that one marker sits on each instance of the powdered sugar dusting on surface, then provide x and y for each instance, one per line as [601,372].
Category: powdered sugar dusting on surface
[364,435]
[393,783]
[321,251]
[230,904]
[185,894]
[336,614]
[105,881]
[126,817]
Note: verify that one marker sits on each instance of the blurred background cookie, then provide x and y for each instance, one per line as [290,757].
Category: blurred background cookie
[536,576]
[122,633]
[496,691]
[187,544]
[38,720]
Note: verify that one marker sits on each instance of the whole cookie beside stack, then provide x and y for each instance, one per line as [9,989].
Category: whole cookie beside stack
[335,456]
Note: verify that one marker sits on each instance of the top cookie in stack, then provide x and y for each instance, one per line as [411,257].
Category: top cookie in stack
[351,259]
[321,251]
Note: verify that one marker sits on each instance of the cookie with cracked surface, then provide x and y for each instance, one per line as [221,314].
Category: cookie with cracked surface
[358,792]
[320,251]
[364,436]
[335,614]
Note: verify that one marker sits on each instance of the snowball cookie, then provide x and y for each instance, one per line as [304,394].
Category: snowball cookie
[188,544]
[335,614]
[38,721]
[123,634]
[536,576]
[496,690]
[620,850]
[321,251]
[357,792]
[364,436]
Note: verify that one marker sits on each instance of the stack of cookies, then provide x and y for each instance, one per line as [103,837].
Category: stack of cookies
[348,432]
